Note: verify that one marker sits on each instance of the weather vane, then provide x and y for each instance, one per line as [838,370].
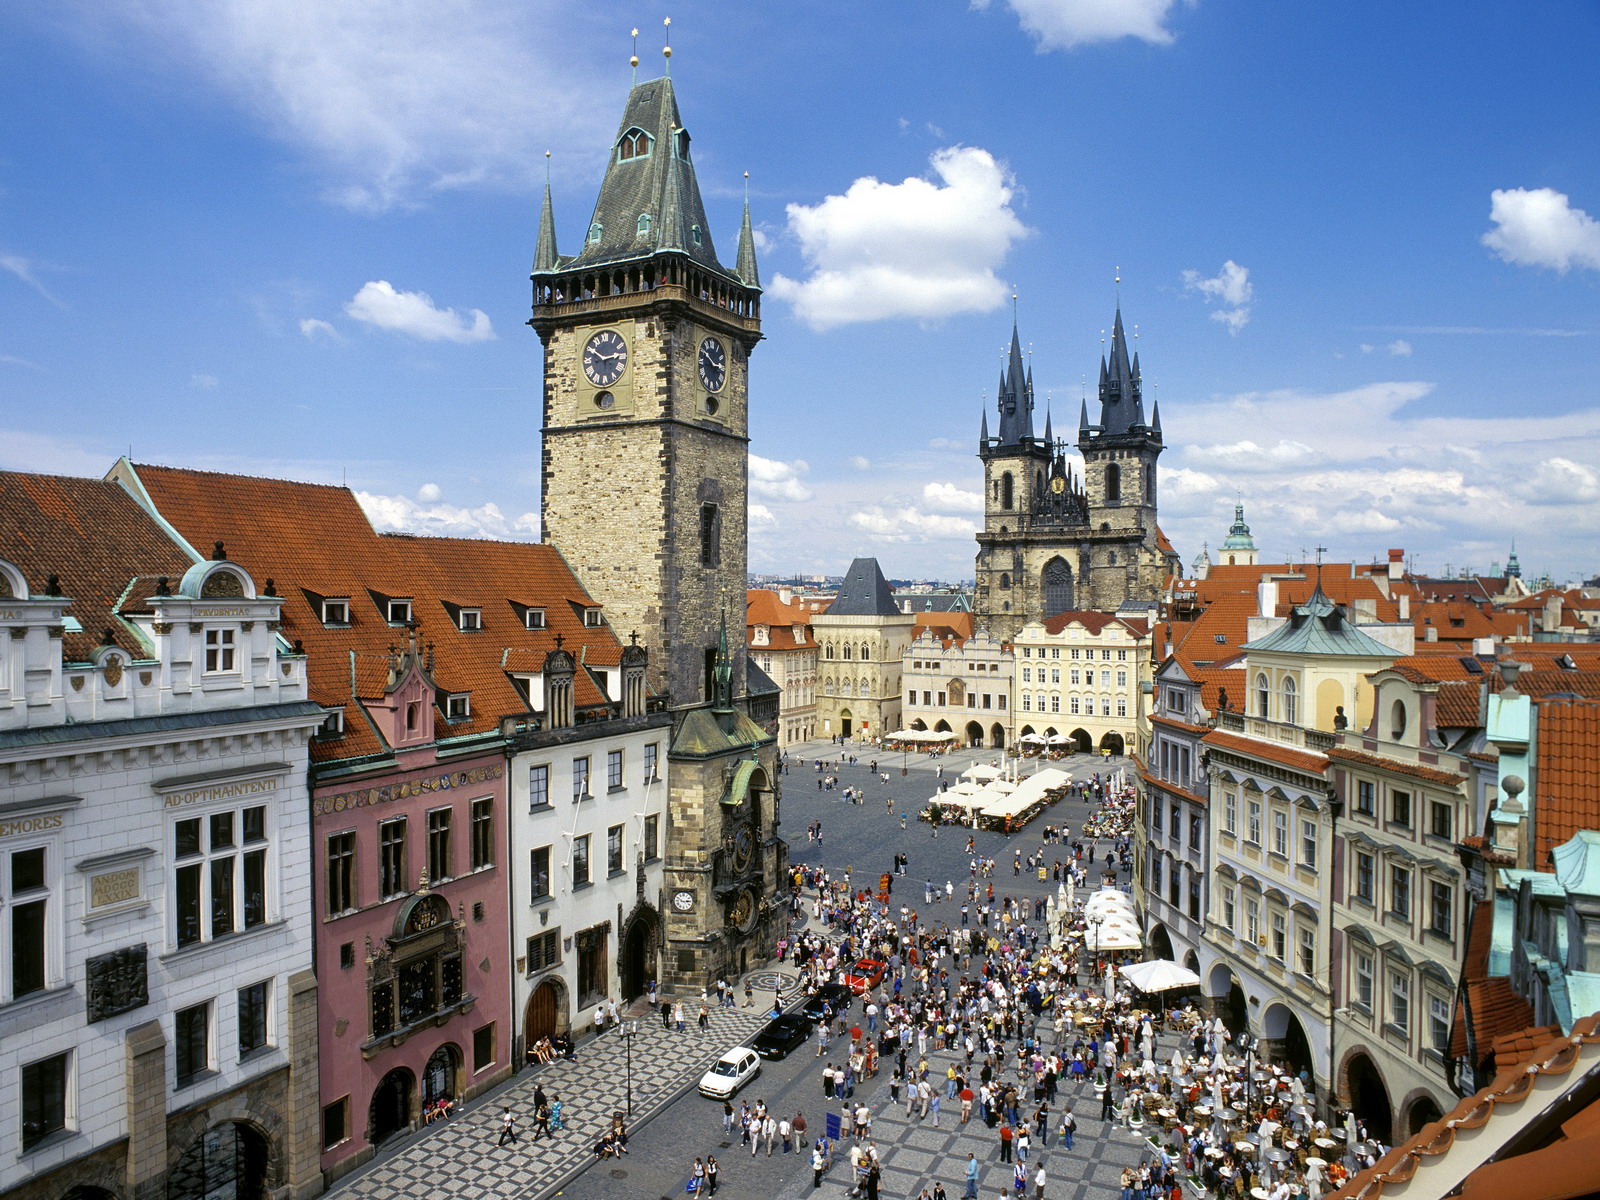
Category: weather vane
[666,51]
[633,59]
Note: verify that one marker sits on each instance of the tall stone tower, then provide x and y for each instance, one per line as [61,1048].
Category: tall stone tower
[1051,542]
[647,338]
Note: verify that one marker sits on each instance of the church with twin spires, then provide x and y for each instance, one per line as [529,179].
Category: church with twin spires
[1053,540]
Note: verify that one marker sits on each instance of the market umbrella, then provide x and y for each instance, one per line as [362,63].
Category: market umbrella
[1159,975]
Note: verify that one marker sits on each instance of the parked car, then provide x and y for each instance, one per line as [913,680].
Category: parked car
[864,976]
[835,995]
[781,1035]
[730,1073]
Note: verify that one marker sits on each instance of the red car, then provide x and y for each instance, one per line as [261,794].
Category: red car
[864,976]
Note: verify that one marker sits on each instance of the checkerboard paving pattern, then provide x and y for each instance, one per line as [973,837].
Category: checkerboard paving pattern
[459,1159]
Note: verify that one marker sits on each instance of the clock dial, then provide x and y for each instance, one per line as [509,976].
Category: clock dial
[683,901]
[713,364]
[605,357]
[739,914]
[743,849]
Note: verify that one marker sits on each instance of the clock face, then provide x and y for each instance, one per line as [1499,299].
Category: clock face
[743,849]
[683,901]
[713,364]
[605,357]
[1058,485]
[739,914]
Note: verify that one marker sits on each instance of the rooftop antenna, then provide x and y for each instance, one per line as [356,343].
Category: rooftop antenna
[666,51]
[1321,550]
[1117,286]
[547,161]
[633,60]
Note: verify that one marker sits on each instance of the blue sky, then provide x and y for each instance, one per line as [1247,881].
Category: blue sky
[1358,240]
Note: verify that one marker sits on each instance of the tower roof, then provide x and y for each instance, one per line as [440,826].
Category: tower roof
[1121,402]
[545,255]
[649,174]
[1239,533]
[748,271]
[1015,398]
[864,592]
[1319,627]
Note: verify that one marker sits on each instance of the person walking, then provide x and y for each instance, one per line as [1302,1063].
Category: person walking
[508,1128]
[541,1120]
[1069,1125]
[934,1103]
[705,1021]
[1038,1182]
[727,1117]
[677,1016]
[666,1015]
[1005,1141]
[817,1164]
[697,1177]
[972,1178]
[712,1171]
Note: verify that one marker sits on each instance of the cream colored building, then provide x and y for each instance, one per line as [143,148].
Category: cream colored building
[861,640]
[959,685]
[779,637]
[1078,675]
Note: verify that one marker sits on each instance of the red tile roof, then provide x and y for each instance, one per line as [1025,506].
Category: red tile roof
[316,542]
[1300,760]
[1094,622]
[1456,705]
[1493,1007]
[91,534]
[1536,1158]
[1397,765]
[950,626]
[1566,779]
[763,607]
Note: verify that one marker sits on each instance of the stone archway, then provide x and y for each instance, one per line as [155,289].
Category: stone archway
[943,727]
[546,1014]
[1081,741]
[639,941]
[1287,1038]
[1159,942]
[974,734]
[389,1112]
[1369,1097]
[845,722]
[1113,742]
[1191,960]
[997,737]
[1227,998]
[227,1162]
[441,1078]
[1420,1110]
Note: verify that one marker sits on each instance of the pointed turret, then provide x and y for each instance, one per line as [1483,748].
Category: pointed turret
[1016,399]
[1084,428]
[983,432]
[1513,567]
[1155,419]
[747,269]
[1049,437]
[545,255]
[1121,406]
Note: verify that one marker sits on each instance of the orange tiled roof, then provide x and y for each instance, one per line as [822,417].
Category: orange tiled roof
[763,607]
[1519,1046]
[1094,622]
[317,543]
[1399,766]
[1493,1007]
[1566,775]
[1456,705]
[1300,760]
[1544,1167]
[91,534]
[946,625]
[1540,683]
[1174,723]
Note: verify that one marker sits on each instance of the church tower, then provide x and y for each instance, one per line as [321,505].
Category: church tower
[647,338]
[1119,470]
[1238,548]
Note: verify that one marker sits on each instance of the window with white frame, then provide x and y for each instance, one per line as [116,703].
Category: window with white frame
[580,778]
[533,618]
[191,1043]
[1438,1024]
[1364,797]
[220,653]
[1230,812]
[46,1099]
[336,611]
[1279,946]
[219,874]
[1280,833]
[1399,890]
[1308,948]
[1364,876]
[614,850]
[614,770]
[580,861]
[539,786]
[398,612]
[1308,843]
[441,860]
[1400,1000]
[1441,905]
[1253,825]
[1363,979]
[29,912]
[392,857]
[1229,914]
[593,618]
[458,706]
[1252,921]
[254,1026]
[539,873]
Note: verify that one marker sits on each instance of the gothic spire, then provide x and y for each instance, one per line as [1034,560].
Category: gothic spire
[1016,398]
[1121,394]
[747,245]
[545,255]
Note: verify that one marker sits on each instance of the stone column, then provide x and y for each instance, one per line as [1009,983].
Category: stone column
[147,1111]
[302,1148]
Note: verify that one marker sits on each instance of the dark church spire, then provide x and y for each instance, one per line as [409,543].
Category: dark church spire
[748,272]
[1016,399]
[545,255]
[1121,405]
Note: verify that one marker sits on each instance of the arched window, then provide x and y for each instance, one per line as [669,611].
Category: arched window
[849,650]
[866,652]
[1005,580]
[596,232]
[644,225]
[865,690]
[1056,580]
[1290,708]
[633,144]
[1113,484]
[1005,490]
[1263,696]
[827,651]
[1111,559]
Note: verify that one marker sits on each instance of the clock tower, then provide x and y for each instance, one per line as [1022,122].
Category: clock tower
[647,339]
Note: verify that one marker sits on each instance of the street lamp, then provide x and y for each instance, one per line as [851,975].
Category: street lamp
[627,1031]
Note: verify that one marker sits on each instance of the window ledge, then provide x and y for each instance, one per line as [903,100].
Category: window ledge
[583,887]
[541,808]
[398,1037]
[542,901]
[616,874]
[199,1077]
[22,1008]
[58,1138]
[200,949]
[612,791]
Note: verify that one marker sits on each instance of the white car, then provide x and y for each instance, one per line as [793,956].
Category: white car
[730,1073]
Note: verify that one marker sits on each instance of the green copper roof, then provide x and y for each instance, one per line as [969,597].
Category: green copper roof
[700,736]
[649,176]
[1319,627]
[545,255]
[747,255]
[1239,533]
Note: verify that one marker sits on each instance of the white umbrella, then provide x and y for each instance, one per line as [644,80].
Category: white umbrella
[1159,975]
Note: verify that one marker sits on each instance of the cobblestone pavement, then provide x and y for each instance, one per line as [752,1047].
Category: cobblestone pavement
[461,1161]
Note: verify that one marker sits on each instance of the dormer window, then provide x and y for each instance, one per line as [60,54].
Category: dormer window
[398,612]
[633,144]
[596,232]
[332,725]
[593,618]
[470,620]
[682,143]
[644,225]
[799,632]
[694,232]
[219,650]
[336,612]
[761,636]
[534,618]
[458,706]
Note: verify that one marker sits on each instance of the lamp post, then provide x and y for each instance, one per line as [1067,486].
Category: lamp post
[627,1031]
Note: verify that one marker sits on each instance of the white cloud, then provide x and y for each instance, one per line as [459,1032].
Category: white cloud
[1561,481]
[1399,348]
[910,524]
[11,360]
[947,497]
[860,462]
[402,514]
[430,493]
[1249,456]
[1229,287]
[27,270]
[1063,24]
[413,313]
[1367,348]
[203,382]
[940,443]
[921,248]
[21,450]
[778,480]
[760,517]
[313,328]
[1538,227]
[392,100]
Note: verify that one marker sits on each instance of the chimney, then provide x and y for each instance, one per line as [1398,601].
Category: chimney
[1432,633]
[1397,563]
[1267,597]
[1552,614]
[1404,599]
[1366,611]
[786,595]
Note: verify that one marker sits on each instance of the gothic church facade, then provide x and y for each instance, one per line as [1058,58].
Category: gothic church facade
[1054,541]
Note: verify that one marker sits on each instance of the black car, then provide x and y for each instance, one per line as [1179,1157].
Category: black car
[835,995]
[781,1035]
